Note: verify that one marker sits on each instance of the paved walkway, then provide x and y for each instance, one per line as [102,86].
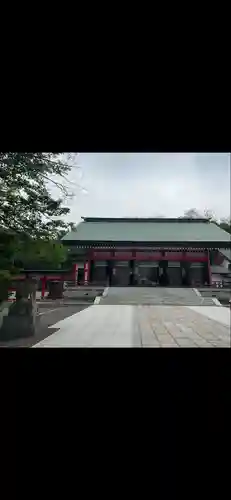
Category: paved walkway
[95,327]
[142,326]
[181,327]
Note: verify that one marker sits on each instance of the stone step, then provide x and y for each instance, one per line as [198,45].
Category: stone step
[155,296]
[148,301]
[160,303]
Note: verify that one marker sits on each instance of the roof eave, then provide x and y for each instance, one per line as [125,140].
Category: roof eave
[206,244]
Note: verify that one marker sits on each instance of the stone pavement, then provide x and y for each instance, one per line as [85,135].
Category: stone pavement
[141,326]
[180,327]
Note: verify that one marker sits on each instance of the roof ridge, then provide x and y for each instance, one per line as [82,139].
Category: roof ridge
[144,219]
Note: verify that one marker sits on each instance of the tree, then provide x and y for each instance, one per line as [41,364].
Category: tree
[40,254]
[210,215]
[226,225]
[71,227]
[192,213]
[30,217]
[27,206]
[8,245]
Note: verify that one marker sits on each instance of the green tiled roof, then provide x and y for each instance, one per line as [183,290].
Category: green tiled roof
[147,230]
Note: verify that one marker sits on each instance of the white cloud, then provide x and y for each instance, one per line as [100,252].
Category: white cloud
[139,184]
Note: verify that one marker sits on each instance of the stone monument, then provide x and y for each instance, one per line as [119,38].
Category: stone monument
[22,315]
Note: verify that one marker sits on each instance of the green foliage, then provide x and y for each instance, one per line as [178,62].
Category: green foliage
[226,225]
[7,268]
[41,254]
[71,227]
[30,217]
[8,248]
[26,203]
[193,213]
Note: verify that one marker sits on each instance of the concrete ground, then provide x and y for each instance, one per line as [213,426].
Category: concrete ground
[141,326]
[48,316]
[132,317]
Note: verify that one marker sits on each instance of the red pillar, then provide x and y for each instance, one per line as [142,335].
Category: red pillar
[75,273]
[43,287]
[86,272]
[209,269]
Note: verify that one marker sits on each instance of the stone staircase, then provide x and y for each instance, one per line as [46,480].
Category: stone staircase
[207,301]
[154,296]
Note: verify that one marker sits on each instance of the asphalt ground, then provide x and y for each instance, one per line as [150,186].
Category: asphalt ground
[48,316]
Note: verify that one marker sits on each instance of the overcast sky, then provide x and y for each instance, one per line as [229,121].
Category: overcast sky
[150,184]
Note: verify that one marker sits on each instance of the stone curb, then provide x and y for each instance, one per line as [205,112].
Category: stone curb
[54,303]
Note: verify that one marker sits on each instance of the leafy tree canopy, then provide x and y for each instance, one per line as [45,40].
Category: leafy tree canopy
[40,254]
[27,206]
[224,223]
[31,218]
